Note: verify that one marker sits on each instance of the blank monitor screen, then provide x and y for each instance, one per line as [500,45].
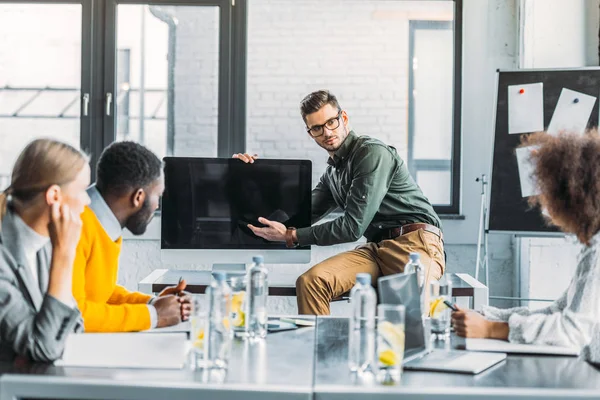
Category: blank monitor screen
[208,202]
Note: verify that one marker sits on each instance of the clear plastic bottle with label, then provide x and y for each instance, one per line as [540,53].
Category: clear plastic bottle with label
[414,266]
[257,292]
[217,345]
[361,343]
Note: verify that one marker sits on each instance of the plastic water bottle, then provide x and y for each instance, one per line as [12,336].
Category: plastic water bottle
[361,343]
[218,333]
[257,291]
[414,266]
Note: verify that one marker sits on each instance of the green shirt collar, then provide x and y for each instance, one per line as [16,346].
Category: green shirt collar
[344,150]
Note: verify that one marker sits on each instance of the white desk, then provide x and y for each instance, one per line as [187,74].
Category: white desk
[468,292]
[279,368]
[305,364]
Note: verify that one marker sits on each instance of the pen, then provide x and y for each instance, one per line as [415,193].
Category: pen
[180,279]
[450,305]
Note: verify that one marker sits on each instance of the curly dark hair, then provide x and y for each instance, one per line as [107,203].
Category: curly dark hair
[314,101]
[567,172]
[126,165]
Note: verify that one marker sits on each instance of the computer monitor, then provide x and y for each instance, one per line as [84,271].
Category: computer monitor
[209,202]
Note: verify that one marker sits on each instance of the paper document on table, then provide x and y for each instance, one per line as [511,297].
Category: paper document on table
[528,184]
[125,350]
[502,346]
[525,108]
[572,112]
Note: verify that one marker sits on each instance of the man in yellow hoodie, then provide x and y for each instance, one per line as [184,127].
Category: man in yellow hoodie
[129,183]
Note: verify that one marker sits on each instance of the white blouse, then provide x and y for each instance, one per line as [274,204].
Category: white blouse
[570,320]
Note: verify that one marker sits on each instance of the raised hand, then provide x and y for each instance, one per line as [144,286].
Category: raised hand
[247,158]
[274,231]
[64,229]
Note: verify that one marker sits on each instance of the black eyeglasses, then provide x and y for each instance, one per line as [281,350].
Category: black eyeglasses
[331,124]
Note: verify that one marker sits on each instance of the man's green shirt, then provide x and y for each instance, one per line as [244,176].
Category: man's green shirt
[371,184]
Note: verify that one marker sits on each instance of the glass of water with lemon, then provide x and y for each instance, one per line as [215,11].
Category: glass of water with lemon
[238,305]
[439,313]
[390,343]
[198,321]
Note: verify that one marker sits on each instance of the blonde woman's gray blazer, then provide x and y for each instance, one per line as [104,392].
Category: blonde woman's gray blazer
[33,324]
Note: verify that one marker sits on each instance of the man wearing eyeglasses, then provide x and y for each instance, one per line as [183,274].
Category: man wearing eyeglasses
[371,184]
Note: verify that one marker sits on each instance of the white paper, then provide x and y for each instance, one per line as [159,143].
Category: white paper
[526,110]
[528,183]
[572,112]
[126,350]
[501,346]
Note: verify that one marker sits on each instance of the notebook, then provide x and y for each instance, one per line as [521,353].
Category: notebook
[492,345]
[125,350]
[467,362]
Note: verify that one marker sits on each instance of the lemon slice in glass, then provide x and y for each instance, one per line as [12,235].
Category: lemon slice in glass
[436,308]
[237,311]
[392,333]
[388,357]
[199,340]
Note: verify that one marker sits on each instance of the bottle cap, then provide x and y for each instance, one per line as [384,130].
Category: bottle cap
[363,278]
[258,259]
[414,257]
[219,276]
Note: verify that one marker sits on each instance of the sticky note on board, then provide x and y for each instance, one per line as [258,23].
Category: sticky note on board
[528,183]
[572,112]
[526,108]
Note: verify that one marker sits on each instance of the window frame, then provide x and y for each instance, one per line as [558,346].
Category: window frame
[239,132]
[228,13]
[416,165]
[86,139]
[98,77]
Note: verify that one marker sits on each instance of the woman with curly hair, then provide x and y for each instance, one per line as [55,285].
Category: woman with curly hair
[567,172]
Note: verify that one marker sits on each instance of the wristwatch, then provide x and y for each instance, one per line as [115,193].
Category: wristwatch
[289,238]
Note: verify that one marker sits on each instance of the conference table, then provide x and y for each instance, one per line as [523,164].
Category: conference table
[307,363]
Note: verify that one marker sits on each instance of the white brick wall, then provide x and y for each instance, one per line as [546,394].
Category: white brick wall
[357,49]
[196,81]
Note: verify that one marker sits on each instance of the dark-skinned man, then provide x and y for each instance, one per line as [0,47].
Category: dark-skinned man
[128,187]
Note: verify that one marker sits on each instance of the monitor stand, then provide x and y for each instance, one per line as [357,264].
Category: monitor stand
[230,269]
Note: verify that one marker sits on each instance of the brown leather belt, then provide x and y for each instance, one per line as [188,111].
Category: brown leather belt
[393,233]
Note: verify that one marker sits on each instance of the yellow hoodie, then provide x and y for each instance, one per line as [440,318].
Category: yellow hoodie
[105,306]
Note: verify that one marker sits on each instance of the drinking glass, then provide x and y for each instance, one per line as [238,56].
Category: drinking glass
[439,312]
[238,305]
[198,322]
[390,343]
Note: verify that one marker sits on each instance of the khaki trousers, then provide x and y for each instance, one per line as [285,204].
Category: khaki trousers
[337,275]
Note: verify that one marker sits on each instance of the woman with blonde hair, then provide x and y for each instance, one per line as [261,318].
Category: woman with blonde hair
[39,232]
[567,173]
